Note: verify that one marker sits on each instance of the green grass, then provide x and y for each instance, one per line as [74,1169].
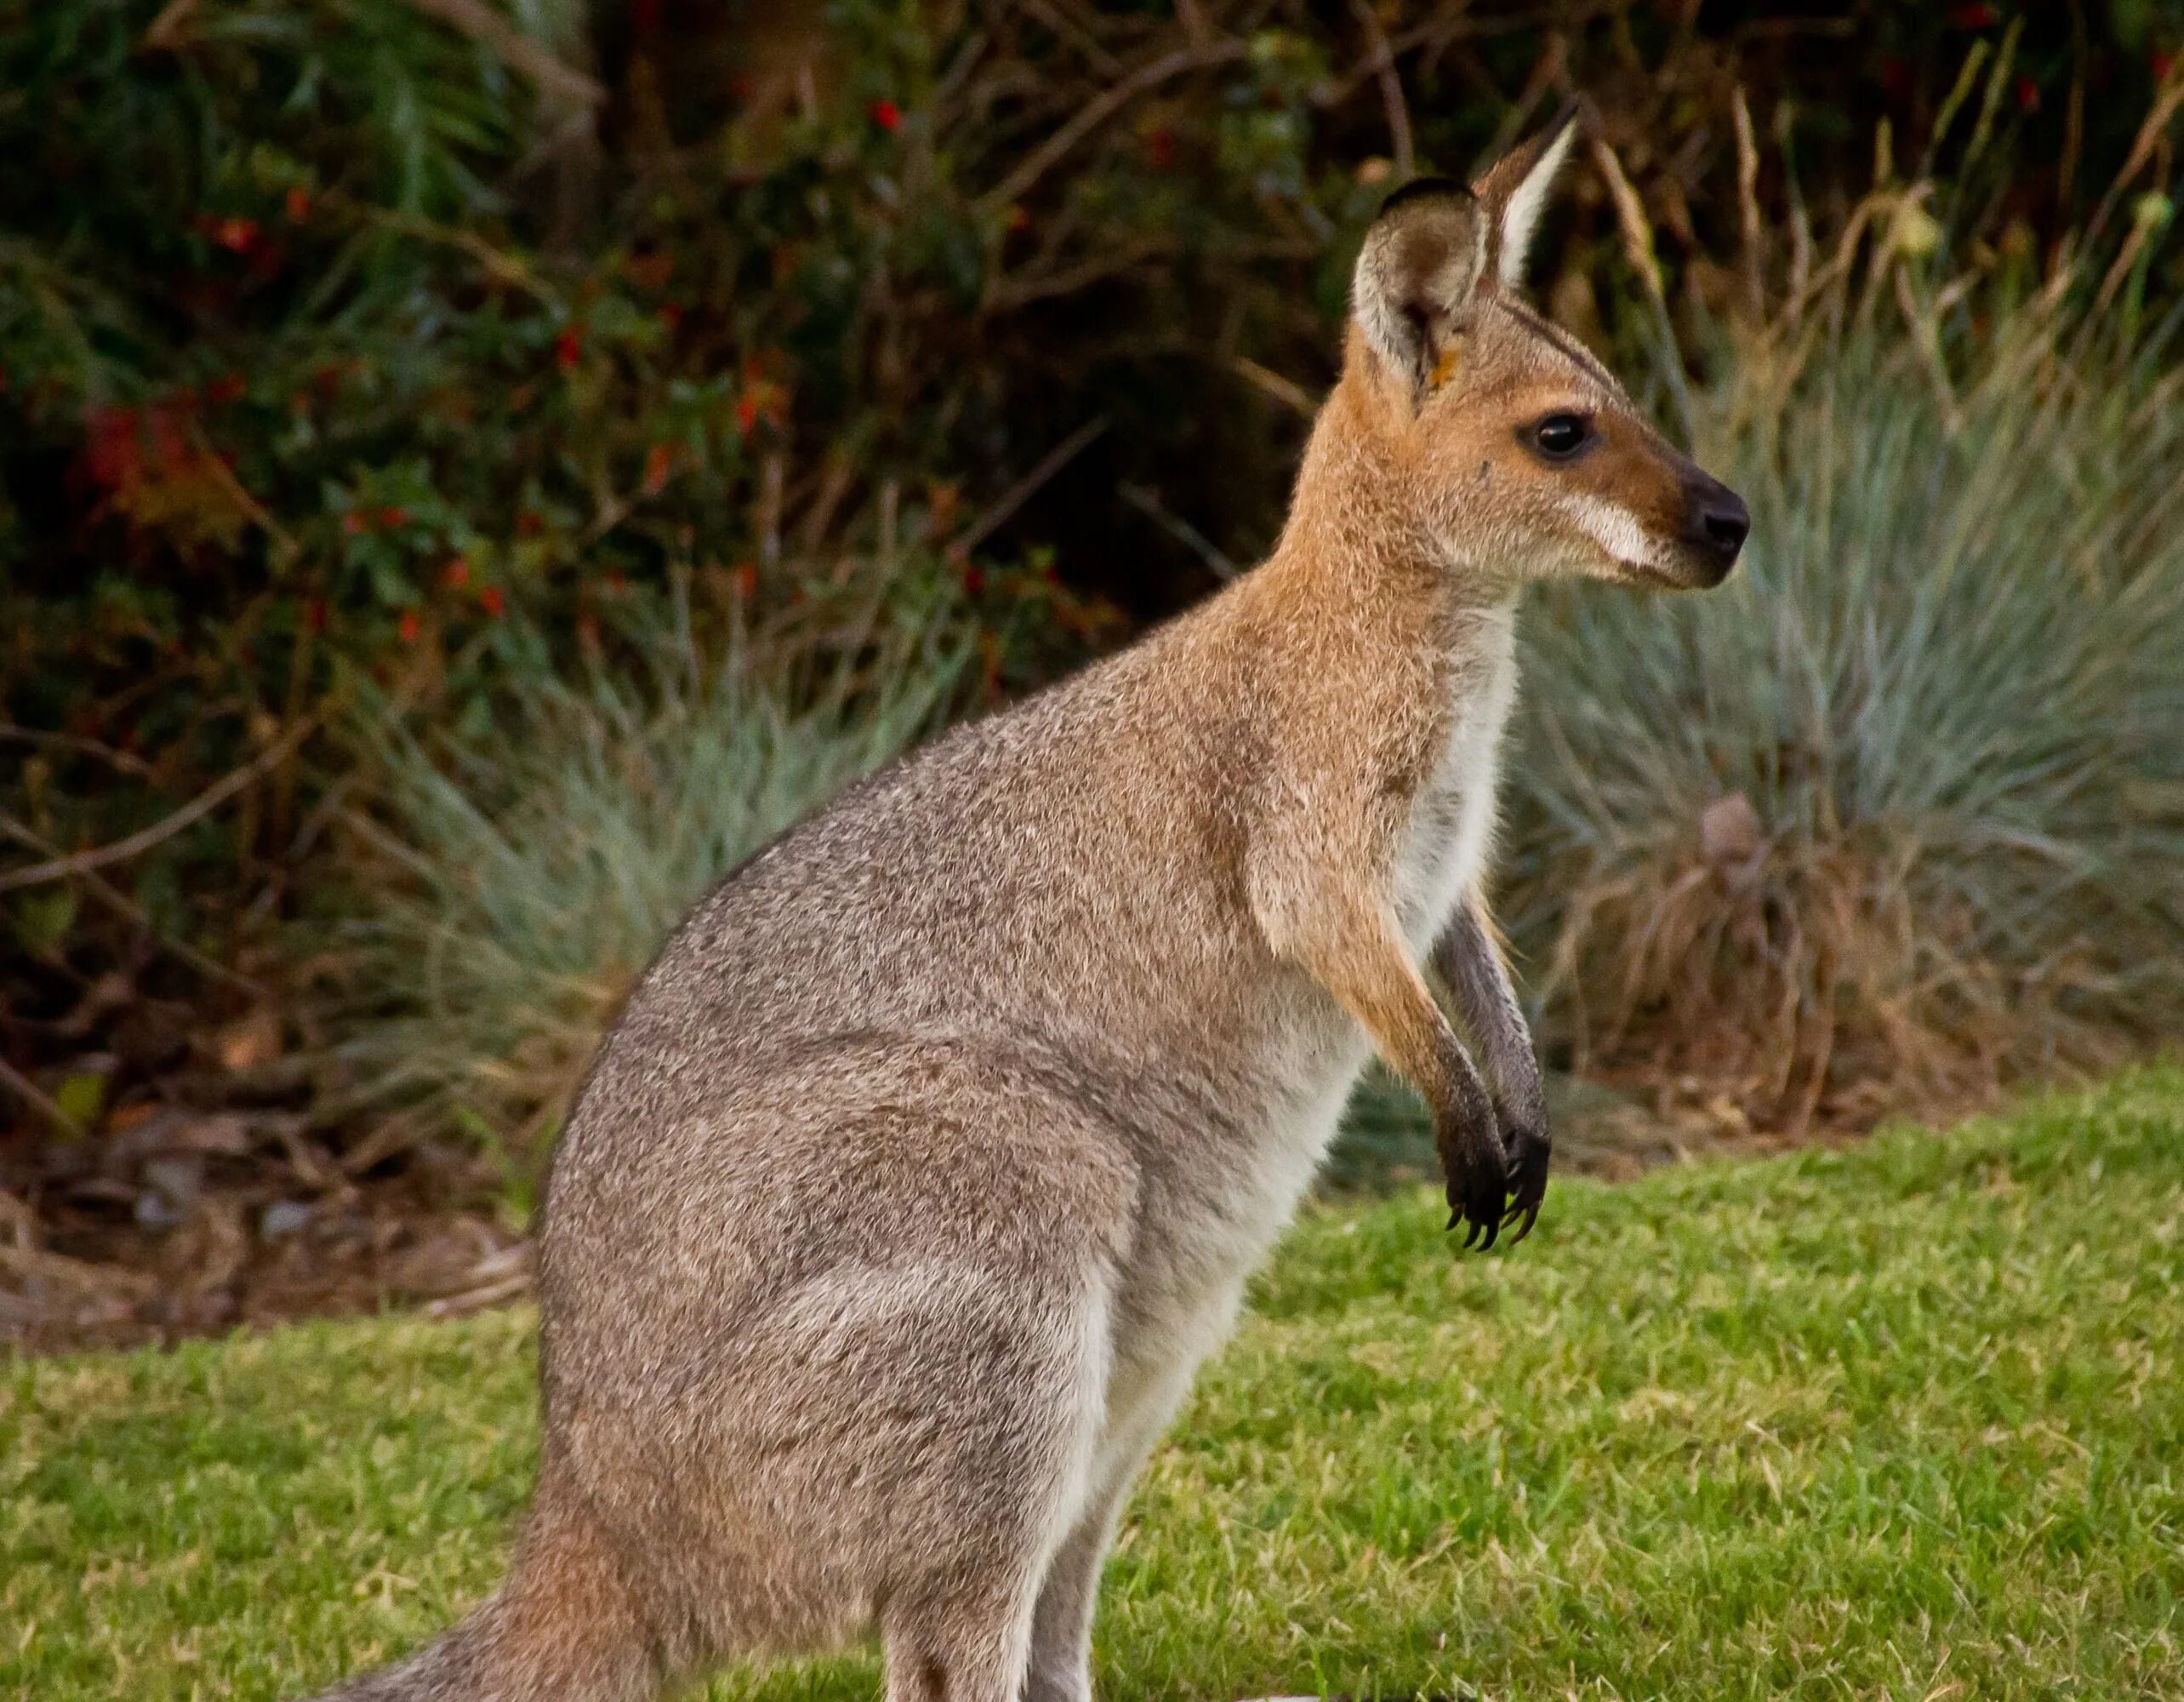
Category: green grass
[1905,1420]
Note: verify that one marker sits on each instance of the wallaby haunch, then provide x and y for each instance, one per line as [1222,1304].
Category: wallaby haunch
[931,1155]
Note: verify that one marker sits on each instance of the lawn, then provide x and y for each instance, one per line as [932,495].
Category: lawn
[1904,1420]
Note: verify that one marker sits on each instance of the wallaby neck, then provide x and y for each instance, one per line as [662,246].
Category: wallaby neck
[1360,538]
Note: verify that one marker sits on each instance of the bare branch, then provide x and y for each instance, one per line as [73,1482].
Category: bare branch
[482,23]
[60,868]
[1097,111]
[1383,60]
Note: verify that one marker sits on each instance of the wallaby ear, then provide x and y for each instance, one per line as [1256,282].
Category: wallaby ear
[1514,193]
[1422,261]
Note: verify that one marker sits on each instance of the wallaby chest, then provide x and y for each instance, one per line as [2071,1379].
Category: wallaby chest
[1447,839]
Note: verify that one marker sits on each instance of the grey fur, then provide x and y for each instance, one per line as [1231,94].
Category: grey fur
[930,1158]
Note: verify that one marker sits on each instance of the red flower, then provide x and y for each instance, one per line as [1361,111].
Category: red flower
[390,516]
[568,349]
[236,235]
[659,464]
[2029,96]
[315,615]
[886,115]
[298,203]
[456,573]
[746,412]
[411,627]
[491,601]
[222,390]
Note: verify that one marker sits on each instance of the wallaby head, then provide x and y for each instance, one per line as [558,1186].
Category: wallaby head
[1524,457]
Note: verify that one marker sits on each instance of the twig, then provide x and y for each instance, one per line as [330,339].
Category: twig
[1638,247]
[1147,502]
[1383,60]
[1747,209]
[1018,494]
[28,1091]
[285,547]
[1097,111]
[1282,390]
[165,33]
[482,23]
[89,747]
[502,265]
[204,805]
[115,898]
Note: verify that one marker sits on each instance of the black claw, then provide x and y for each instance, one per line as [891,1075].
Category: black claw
[1469,1239]
[1454,1218]
[1493,1229]
[1531,1217]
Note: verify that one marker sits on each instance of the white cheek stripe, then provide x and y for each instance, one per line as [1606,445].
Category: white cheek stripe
[1615,529]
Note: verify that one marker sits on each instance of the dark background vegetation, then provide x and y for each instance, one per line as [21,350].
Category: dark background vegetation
[397,397]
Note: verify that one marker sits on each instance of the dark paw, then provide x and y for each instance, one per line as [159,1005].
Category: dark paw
[1530,1149]
[1478,1174]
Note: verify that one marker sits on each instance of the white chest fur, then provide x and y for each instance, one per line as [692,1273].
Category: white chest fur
[1450,836]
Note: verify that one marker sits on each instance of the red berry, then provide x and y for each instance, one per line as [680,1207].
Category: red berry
[568,349]
[886,115]
[412,627]
[491,601]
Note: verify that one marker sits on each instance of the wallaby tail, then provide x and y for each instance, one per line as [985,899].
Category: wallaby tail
[563,1628]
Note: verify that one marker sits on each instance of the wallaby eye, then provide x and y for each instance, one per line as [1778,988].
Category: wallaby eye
[1560,436]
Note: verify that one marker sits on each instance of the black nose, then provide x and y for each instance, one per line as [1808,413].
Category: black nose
[1719,523]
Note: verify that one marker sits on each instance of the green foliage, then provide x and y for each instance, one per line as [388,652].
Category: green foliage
[1899,1422]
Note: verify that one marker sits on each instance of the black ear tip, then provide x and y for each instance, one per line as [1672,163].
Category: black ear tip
[1574,111]
[1426,189]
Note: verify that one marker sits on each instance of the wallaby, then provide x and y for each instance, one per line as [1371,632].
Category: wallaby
[930,1158]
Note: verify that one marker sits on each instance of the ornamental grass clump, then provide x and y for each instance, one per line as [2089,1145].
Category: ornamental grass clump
[1897,815]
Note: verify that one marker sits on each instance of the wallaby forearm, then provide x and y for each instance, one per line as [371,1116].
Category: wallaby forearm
[1469,962]
[1346,937]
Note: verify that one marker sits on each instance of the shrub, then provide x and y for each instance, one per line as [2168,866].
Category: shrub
[1898,814]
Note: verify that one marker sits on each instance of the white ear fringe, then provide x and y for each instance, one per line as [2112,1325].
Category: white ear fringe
[1387,284]
[1527,201]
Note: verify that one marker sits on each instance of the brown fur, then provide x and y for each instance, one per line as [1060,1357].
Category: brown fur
[931,1155]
